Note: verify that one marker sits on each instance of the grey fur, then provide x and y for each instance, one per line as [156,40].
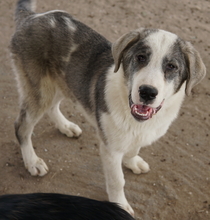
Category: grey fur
[131,58]
[45,54]
[180,72]
[56,56]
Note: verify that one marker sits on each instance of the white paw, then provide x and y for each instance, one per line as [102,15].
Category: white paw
[137,165]
[70,129]
[37,167]
[119,198]
[127,208]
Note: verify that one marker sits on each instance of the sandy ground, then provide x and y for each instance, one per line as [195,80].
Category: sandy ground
[178,185]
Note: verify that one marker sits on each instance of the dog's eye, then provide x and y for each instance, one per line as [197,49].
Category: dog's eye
[141,58]
[171,66]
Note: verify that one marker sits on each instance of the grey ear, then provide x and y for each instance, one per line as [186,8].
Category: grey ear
[121,44]
[197,69]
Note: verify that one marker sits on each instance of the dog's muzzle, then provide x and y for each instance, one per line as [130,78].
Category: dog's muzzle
[143,112]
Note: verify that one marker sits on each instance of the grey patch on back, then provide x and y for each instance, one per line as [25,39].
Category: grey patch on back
[46,46]
[60,50]
[85,79]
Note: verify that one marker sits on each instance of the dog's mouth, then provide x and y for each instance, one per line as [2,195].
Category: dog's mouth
[143,112]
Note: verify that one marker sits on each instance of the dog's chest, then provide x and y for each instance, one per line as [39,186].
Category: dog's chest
[130,134]
[145,133]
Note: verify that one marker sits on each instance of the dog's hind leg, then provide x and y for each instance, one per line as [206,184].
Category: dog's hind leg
[65,126]
[24,125]
[36,97]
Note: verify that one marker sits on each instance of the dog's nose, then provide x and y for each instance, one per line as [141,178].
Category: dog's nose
[147,93]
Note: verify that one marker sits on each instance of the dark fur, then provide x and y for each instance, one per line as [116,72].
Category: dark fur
[180,71]
[44,54]
[56,56]
[52,48]
[138,56]
[49,206]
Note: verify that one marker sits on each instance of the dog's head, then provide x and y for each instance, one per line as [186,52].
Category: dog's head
[156,63]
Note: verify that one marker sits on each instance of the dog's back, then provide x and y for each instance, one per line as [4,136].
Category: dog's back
[45,206]
[59,47]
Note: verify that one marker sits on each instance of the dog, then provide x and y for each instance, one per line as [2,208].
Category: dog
[53,206]
[131,89]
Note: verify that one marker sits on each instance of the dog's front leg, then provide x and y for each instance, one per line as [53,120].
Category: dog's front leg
[112,165]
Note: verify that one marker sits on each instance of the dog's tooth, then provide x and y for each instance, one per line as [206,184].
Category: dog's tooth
[141,114]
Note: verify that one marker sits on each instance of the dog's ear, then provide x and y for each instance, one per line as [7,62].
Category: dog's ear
[121,44]
[196,67]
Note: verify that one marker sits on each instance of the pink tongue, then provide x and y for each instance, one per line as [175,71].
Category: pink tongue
[142,109]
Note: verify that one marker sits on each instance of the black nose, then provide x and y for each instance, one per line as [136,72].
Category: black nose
[147,93]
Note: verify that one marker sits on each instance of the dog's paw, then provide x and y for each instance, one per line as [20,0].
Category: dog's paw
[137,165]
[37,168]
[118,197]
[70,129]
[128,208]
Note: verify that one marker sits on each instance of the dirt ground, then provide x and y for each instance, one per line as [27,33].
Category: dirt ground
[178,185]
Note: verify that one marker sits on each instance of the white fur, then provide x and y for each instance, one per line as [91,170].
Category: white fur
[125,135]
[65,126]
[52,22]
[34,164]
[122,135]
[152,74]
[46,13]
[69,24]
[72,49]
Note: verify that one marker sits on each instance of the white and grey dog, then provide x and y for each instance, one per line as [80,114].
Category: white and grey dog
[132,89]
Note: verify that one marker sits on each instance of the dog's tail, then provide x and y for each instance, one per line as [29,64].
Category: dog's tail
[24,8]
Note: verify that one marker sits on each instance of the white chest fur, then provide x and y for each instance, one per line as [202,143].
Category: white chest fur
[122,131]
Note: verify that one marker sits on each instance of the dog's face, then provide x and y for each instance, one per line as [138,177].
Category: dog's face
[156,63]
